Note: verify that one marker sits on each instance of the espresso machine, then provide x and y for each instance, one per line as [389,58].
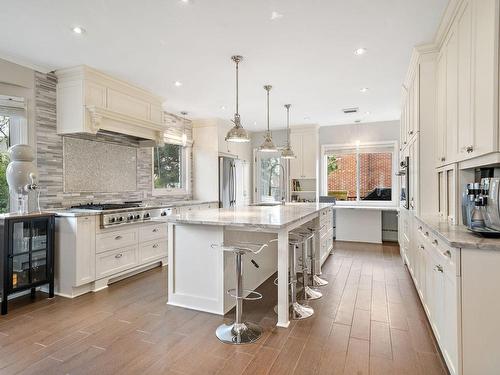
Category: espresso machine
[481,207]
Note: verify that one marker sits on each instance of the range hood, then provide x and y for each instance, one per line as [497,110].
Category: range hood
[89,101]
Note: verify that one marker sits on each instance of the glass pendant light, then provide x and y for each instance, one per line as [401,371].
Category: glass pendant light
[268,145]
[237,132]
[287,152]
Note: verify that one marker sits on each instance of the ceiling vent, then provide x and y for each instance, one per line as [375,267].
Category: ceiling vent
[349,111]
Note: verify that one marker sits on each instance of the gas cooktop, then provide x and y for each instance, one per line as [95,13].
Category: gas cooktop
[106,206]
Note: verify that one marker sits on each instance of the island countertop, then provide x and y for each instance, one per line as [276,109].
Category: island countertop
[273,217]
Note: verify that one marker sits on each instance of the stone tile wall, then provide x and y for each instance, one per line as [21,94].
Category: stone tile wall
[49,148]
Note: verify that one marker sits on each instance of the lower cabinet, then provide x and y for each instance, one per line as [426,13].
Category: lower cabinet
[435,269]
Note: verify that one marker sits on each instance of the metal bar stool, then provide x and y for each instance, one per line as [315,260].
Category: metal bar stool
[297,311]
[308,292]
[316,281]
[240,332]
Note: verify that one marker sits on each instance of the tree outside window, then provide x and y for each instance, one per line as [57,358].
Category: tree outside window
[168,167]
[4,161]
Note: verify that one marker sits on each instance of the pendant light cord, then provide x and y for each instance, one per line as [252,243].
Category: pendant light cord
[268,111]
[237,87]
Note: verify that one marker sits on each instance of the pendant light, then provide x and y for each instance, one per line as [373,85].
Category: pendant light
[237,133]
[287,152]
[268,145]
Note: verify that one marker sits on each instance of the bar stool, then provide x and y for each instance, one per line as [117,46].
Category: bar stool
[240,332]
[297,311]
[308,292]
[316,281]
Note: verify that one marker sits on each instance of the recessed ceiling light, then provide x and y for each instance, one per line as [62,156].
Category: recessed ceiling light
[368,113]
[255,122]
[223,108]
[307,118]
[275,15]
[177,84]
[360,51]
[78,30]
[185,1]
[364,89]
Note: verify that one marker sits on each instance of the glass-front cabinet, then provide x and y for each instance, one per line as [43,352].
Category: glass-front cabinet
[27,254]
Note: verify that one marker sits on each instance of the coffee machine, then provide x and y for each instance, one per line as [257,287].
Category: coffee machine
[481,207]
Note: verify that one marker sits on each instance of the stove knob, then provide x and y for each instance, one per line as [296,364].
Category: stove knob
[137,217]
[130,217]
[147,215]
[120,218]
[112,220]
[164,213]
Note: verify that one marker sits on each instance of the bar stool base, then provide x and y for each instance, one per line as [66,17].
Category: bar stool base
[242,333]
[313,294]
[299,312]
[318,281]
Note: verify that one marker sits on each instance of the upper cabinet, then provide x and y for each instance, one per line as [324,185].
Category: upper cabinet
[304,143]
[88,101]
[467,93]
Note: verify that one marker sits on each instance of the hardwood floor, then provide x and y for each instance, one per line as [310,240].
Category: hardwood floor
[369,321]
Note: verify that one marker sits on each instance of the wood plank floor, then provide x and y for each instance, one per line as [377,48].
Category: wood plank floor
[369,321]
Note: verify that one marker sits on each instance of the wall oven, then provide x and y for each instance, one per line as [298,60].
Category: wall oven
[404,174]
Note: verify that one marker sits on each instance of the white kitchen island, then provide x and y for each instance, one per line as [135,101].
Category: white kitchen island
[199,275]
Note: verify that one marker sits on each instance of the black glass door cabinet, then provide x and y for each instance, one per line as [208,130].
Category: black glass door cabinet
[27,254]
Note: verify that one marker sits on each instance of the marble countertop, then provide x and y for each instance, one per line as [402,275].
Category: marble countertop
[273,217]
[73,212]
[458,235]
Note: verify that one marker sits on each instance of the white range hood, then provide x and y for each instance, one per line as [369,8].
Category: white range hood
[89,101]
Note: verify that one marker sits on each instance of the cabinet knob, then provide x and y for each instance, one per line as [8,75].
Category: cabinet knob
[447,253]
[118,238]
[443,158]
[469,149]
[434,242]
[439,268]
[155,246]
[421,247]
[118,256]
[155,230]
[410,132]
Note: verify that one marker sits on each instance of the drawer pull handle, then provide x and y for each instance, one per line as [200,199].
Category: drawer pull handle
[447,253]
[420,228]
[439,268]
[118,238]
[434,242]
[427,234]
[155,230]
[421,247]
[155,246]
[118,256]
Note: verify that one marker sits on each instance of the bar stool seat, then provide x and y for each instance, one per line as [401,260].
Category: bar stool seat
[316,280]
[240,332]
[298,311]
[308,292]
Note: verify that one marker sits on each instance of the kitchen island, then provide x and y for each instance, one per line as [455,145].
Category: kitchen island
[199,274]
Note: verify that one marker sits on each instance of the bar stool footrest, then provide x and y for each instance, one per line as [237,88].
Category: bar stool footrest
[252,295]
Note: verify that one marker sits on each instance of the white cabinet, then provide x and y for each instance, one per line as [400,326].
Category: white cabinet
[85,250]
[305,145]
[468,82]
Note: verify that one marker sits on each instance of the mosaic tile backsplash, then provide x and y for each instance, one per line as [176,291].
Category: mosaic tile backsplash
[50,157]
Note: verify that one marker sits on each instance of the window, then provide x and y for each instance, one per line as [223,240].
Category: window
[170,169]
[360,174]
[5,122]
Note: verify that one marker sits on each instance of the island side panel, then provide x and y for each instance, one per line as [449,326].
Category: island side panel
[252,277]
[195,269]
[283,260]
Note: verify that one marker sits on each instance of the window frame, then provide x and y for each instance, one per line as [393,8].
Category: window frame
[391,146]
[185,173]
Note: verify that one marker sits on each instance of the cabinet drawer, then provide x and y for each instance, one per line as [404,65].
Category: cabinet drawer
[153,232]
[152,250]
[115,261]
[114,240]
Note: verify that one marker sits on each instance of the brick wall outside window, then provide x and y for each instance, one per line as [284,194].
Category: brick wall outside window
[375,172]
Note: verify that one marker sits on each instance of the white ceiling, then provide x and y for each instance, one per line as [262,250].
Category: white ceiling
[307,55]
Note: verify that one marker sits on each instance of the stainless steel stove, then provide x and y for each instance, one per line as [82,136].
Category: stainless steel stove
[114,214]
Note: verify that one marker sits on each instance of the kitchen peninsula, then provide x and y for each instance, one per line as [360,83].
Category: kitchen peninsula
[199,274]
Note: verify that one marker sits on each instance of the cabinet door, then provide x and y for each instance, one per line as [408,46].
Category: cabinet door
[441,110]
[451,49]
[414,185]
[465,122]
[85,250]
[450,322]
[485,78]
[296,164]
[309,156]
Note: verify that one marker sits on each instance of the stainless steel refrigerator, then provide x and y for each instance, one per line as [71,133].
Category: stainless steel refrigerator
[230,182]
